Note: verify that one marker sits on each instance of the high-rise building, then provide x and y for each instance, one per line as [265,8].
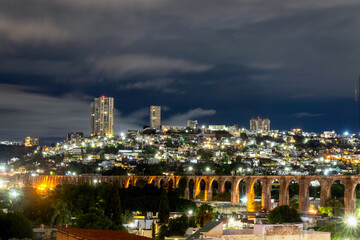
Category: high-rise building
[102,116]
[258,124]
[155,117]
[192,124]
[74,136]
[31,141]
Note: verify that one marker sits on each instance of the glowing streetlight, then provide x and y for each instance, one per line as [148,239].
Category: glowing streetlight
[190,212]
[14,194]
[350,221]
[244,199]
[207,169]
[190,168]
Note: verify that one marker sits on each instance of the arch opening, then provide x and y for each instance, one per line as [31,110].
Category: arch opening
[293,194]
[314,196]
[214,187]
[170,184]
[191,188]
[274,191]
[201,190]
[335,198]
[255,201]
[242,192]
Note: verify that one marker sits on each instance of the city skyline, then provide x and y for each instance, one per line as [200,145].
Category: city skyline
[299,68]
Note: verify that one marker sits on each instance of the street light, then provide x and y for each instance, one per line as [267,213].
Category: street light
[350,221]
[190,212]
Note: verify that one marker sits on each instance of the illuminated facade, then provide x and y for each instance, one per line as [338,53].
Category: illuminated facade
[258,124]
[31,141]
[155,117]
[102,116]
[192,124]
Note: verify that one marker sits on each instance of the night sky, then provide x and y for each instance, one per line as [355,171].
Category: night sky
[220,62]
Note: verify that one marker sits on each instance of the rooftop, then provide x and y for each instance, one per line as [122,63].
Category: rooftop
[95,234]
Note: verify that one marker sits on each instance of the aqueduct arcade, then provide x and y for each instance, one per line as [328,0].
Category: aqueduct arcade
[239,187]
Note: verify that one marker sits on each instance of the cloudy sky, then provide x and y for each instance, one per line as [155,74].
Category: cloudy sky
[217,61]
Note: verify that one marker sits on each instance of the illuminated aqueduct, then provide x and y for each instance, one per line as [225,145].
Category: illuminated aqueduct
[241,186]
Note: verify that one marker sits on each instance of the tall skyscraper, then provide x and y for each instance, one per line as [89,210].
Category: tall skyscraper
[155,117]
[258,124]
[102,116]
[31,141]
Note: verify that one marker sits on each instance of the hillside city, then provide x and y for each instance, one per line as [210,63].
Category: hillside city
[182,151]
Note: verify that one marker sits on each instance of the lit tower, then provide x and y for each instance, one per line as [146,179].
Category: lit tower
[155,117]
[102,116]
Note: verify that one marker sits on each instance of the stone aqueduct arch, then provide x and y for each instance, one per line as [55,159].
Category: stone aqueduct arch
[349,182]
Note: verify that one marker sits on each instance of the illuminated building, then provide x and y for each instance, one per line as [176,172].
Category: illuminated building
[31,141]
[155,117]
[258,124]
[102,116]
[76,136]
[192,124]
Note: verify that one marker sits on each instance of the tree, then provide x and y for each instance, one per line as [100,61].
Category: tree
[162,232]
[15,225]
[94,219]
[205,214]
[178,226]
[283,214]
[113,208]
[61,213]
[164,208]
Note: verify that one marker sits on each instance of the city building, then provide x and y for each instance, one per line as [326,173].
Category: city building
[215,230]
[102,116]
[192,124]
[74,136]
[258,124]
[155,117]
[173,128]
[31,141]
[218,128]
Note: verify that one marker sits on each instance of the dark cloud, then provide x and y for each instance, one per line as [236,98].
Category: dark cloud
[239,58]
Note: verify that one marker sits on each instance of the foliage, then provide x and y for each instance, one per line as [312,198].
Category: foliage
[201,195]
[283,214]
[113,208]
[335,205]
[178,226]
[94,219]
[205,214]
[225,196]
[340,231]
[115,171]
[192,222]
[163,231]
[60,213]
[164,208]
[70,201]
[294,204]
[14,225]
[326,210]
